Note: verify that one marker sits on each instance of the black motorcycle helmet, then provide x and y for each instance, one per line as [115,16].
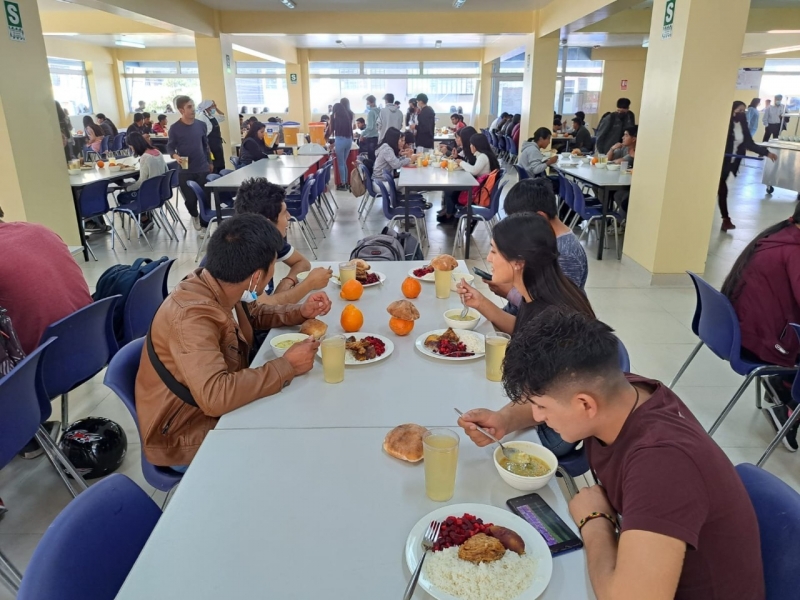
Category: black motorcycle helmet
[95,446]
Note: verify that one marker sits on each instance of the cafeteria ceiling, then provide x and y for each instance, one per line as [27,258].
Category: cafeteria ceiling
[358,6]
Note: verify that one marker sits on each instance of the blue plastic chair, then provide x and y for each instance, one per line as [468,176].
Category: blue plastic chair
[489,215]
[591,214]
[777,509]
[224,172]
[236,162]
[20,419]
[121,378]
[417,213]
[523,173]
[313,207]
[167,188]
[85,344]
[93,203]
[511,147]
[104,145]
[225,198]
[207,214]
[501,146]
[299,212]
[143,301]
[398,201]
[368,199]
[149,198]
[718,328]
[575,463]
[92,545]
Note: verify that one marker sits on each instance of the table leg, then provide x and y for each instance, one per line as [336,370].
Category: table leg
[406,195]
[603,197]
[468,232]
[215,204]
[76,193]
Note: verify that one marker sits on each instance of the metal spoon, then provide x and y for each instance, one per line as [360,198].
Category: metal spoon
[507,452]
[464,312]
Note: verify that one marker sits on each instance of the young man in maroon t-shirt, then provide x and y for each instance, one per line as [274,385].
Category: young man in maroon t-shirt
[687,528]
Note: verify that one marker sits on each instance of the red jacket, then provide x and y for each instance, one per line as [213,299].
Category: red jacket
[769,299]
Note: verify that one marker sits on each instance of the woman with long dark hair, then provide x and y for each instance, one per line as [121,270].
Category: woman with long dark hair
[389,157]
[764,288]
[342,128]
[525,254]
[484,162]
[151,164]
[739,141]
[94,137]
[254,148]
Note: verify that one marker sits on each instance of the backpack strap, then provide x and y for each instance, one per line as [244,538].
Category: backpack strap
[173,385]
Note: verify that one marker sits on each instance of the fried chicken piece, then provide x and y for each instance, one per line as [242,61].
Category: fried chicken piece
[481,548]
[362,350]
[432,341]
[450,336]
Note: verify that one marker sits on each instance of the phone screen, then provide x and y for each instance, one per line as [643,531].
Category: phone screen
[559,537]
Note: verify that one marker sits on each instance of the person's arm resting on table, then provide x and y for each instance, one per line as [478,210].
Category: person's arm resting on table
[297,264]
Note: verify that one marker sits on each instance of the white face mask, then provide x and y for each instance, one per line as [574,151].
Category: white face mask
[250,295]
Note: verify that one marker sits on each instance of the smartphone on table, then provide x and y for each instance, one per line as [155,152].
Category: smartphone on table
[559,536]
[482,274]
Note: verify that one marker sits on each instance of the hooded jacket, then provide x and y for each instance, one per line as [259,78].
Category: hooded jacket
[531,159]
[768,299]
[390,117]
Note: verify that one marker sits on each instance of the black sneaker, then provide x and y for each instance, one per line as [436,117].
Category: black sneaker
[778,415]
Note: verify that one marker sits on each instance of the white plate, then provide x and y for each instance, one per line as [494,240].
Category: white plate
[430,277]
[462,334]
[349,359]
[381,276]
[534,545]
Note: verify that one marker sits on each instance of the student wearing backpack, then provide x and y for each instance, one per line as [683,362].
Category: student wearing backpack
[613,125]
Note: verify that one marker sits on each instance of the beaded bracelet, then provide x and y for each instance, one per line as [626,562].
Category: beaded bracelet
[598,515]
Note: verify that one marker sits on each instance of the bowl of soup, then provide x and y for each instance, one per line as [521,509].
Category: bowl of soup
[453,318]
[281,343]
[532,469]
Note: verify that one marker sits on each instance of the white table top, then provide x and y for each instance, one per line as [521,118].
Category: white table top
[75,250]
[406,387]
[304,160]
[273,170]
[435,177]
[594,176]
[85,177]
[313,513]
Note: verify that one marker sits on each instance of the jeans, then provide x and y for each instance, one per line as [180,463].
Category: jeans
[188,195]
[342,146]
[552,441]
[722,190]
[450,202]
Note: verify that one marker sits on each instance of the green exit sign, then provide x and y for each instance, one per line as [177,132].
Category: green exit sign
[14,21]
[669,17]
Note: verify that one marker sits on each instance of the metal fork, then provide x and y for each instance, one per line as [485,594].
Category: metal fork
[431,535]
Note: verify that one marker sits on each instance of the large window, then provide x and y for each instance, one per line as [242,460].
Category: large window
[156,83]
[448,85]
[782,76]
[261,87]
[507,75]
[580,81]
[70,85]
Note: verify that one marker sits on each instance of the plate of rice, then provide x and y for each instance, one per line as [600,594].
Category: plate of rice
[514,577]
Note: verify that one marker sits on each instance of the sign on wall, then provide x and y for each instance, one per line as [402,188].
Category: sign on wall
[293,78]
[669,17]
[749,78]
[623,84]
[14,21]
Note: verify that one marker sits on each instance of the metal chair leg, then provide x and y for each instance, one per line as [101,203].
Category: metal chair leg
[9,574]
[61,462]
[685,364]
[777,439]
[114,233]
[64,411]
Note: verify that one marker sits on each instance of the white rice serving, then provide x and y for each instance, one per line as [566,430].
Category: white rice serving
[502,579]
[474,343]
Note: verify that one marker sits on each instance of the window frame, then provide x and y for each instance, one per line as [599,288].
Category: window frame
[82,72]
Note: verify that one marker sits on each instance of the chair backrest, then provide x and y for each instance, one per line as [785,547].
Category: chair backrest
[145,298]
[21,391]
[494,202]
[84,346]
[224,172]
[566,191]
[777,509]
[236,162]
[387,199]
[206,213]
[93,200]
[212,177]
[512,147]
[119,141]
[300,211]
[166,186]
[150,195]
[104,145]
[624,358]
[391,186]
[718,325]
[367,179]
[174,179]
[523,173]
[92,544]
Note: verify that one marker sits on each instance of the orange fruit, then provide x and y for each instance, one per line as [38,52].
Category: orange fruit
[400,326]
[443,164]
[352,319]
[411,288]
[594,160]
[424,163]
[352,290]
[100,164]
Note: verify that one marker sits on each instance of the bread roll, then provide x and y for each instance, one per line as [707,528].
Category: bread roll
[314,328]
[405,442]
[403,309]
[444,262]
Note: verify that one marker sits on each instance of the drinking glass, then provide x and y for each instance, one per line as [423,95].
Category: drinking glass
[440,451]
[623,166]
[496,344]
[347,271]
[443,280]
[183,161]
[333,349]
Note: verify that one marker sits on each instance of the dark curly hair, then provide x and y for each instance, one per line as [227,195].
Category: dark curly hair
[261,197]
[556,348]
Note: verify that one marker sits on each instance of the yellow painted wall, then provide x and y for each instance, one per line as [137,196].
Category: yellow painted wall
[619,64]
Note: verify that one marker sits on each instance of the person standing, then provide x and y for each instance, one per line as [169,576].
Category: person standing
[773,118]
[141,107]
[342,128]
[411,114]
[369,136]
[390,116]
[188,140]
[613,125]
[752,116]
[426,124]
[212,117]
[107,124]
[739,141]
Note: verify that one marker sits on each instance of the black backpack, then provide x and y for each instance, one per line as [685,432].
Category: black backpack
[389,245]
[119,279]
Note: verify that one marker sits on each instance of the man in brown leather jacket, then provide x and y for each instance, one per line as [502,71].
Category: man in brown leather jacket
[202,335]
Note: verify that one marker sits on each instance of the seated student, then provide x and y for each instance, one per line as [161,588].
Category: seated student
[137,125]
[626,149]
[583,138]
[530,155]
[499,122]
[202,335]
[95,137]
[261,197]
[481,162]
[688,530]
[161,126]
[389,156]
[536,196]
[151,164]
[557,125]
[253,146]
[764,288]
[457,122]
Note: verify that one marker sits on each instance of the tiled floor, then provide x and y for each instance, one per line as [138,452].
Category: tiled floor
[653,322]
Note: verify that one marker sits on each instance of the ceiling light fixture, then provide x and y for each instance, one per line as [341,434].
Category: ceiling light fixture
[129,44]
[288,3]
[438,44]
[59,33]
[340,43]
[458,3]
[784,31]
[646,43]
[782,50]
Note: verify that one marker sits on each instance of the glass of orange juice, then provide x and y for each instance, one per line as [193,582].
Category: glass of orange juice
[443,281]
[347,271]
[333,350]
[440,450]
[496,344]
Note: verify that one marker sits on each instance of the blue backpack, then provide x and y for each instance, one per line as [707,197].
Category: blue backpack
[119,279]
